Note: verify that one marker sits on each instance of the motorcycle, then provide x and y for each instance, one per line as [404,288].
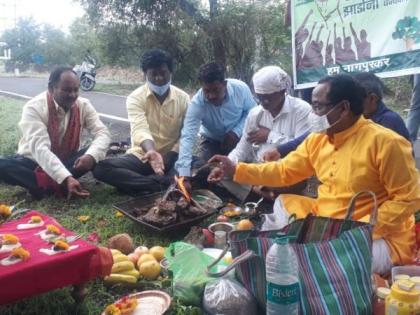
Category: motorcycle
[87,73]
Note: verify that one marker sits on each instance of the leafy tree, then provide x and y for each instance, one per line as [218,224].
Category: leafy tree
[24,40]
[240,34]
[29,39]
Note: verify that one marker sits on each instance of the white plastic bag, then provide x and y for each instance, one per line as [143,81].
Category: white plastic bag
[228,297]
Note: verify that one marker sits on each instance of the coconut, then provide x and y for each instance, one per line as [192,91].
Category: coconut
[122,242]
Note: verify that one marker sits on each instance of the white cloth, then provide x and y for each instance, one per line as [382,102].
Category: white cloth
[381,258]
[271,79]
[289,124]
[35,143]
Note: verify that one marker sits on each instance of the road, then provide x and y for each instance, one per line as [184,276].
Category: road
[111,108]
[108,105]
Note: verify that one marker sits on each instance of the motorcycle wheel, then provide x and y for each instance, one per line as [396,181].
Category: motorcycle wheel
[87,84]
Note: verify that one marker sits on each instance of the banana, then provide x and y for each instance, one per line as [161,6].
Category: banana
[120,258]
[122,266]
[115,252]
[117,278]
[132,272]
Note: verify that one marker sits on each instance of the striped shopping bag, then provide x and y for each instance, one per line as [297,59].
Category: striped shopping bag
[334,258]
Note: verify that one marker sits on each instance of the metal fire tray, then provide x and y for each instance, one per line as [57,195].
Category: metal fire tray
[130,207]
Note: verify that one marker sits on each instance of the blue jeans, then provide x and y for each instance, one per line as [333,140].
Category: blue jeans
[413,119]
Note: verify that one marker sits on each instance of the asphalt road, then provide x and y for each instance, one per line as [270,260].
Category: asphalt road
[106,104]
[110,107]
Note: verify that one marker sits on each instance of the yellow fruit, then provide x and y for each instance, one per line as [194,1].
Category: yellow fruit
[115,252]
[122,266]
[245,224]
[158,252]
[120,258]
[132,272]
[144,258]
[150,270]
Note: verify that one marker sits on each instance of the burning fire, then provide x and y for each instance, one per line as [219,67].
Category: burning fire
[180,183]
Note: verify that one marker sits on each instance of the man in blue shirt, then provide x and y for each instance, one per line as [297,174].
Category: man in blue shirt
[374,109]
[221,107]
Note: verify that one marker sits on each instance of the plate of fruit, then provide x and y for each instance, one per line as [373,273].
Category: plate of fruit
[151,302]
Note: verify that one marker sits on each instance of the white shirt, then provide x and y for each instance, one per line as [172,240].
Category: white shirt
[289,124]
[35,143]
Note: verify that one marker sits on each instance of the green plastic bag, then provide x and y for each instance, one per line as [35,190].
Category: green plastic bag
[188,265]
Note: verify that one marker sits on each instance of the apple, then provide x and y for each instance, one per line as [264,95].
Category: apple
[222,218]
[141,250]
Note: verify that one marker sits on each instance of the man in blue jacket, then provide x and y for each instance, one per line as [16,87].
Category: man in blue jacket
[220,107]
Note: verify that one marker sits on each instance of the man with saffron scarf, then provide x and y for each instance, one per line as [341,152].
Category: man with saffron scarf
[49,157]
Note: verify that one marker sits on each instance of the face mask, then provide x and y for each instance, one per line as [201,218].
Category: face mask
[159,89]
[320,124]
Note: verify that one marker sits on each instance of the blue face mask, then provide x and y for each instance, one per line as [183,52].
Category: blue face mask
[159,89]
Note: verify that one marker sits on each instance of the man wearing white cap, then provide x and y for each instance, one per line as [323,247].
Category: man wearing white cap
[278,119]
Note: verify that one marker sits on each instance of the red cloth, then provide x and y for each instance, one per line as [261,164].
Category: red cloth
[71,139]
[42,273]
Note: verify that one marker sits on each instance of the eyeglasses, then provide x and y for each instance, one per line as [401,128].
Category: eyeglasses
[319,108]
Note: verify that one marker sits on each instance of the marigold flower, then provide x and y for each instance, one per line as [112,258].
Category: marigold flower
[5,211]
[10,239]
[36,219]
[61,245]
[83,218]
[112,310]
[52,229]
[20,253]
[127,304]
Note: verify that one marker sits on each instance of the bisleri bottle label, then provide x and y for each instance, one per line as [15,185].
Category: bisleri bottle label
[283,294]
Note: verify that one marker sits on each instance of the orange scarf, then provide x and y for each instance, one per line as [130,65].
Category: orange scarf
[71,140]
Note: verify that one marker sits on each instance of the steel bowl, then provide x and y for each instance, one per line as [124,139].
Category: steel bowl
[221,226]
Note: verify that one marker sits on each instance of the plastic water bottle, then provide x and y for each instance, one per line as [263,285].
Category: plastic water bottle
[282,277]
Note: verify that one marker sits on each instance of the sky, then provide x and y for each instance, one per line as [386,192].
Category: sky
[60,13]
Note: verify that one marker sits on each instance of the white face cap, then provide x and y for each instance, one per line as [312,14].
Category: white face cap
[271,79]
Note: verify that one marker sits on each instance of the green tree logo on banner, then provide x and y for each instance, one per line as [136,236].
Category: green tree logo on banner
[408,29]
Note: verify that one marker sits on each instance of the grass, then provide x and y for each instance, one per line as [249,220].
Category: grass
[102,220]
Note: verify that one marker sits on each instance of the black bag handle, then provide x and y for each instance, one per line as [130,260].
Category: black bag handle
[352,205]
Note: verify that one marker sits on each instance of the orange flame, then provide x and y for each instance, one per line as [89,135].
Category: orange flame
[180,183]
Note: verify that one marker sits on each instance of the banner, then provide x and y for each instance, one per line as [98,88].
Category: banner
[349,36]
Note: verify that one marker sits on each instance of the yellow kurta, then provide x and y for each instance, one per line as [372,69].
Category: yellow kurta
[366,156]
[150,120]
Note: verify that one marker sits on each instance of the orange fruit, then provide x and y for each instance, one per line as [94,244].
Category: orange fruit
[244,224]
[150,270]
[145,258]
[158,252]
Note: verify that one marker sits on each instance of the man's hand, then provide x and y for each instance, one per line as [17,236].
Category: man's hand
[271,155]
[226,168]
[265,192]
[156,161]
[229,142]
[74,188]
[84,163]
[258,136]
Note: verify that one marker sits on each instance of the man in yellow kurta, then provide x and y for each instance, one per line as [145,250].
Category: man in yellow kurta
[348,154]
[156,112]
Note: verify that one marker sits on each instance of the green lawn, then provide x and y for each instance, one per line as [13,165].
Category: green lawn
[102,220]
